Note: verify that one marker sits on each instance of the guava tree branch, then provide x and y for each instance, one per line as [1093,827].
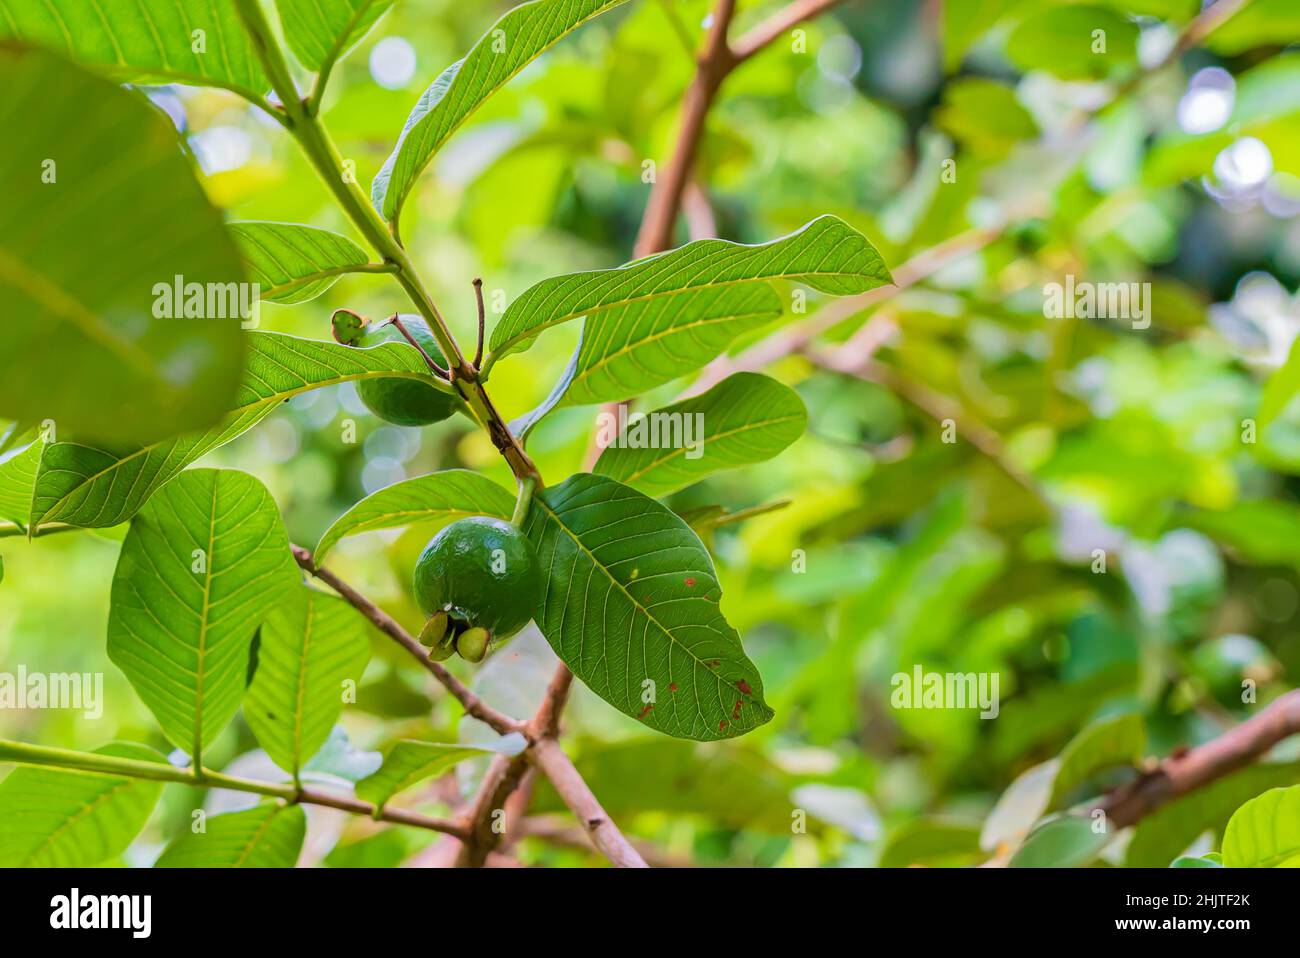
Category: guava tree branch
[1195,768]
[23,754]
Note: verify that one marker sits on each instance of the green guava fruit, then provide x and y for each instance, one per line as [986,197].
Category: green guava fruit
[403,402]
[484,574]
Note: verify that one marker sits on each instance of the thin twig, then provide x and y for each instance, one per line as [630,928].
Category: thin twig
[472,704]
[604,834]
[482,321]
[432,363]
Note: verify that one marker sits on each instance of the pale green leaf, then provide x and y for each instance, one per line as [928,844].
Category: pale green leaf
[58,818]
[1020,806]
[744,419]
[1265,832]
[291,263]
[1067,842]
[1105,743]
[931,843]
[197,42]
[18,469]
[203,564]
[1062,41]
[321,31]
[84,344]
[410,762]
[434,499]
[631,606]
[514,41]
[1204,861]
[268,836]
[87,486]
[1169,830]
[826,254]
[310,645]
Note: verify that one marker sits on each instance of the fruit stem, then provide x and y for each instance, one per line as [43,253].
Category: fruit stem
[523,501]
[429,360]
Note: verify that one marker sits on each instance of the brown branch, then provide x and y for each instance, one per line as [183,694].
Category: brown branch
[483,829]
[775,25]
[604,834]
[1182,773]
[397,816]
[567,836]
[472,704]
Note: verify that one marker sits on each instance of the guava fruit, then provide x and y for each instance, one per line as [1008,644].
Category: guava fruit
[403,402]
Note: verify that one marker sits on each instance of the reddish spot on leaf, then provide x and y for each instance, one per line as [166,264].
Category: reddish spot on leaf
[690,582]
[722,725]
[735,712]
[672,686]
[645,711]
[744,686]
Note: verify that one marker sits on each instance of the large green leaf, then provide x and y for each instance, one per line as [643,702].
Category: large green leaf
[435,499]
[1173,827]
[932,843]
[197,42]
[268,836]
[87,486]
[310,644]
[201,566]
[65,819]
[511,44]
[88,342]
[410,762]
[1105,743]
[826,254]
[1265,832]
[1020,806]
[321,31]
[18,478]
[291,263]
[744,419]
[1064,40]
[631,348]
[631,606]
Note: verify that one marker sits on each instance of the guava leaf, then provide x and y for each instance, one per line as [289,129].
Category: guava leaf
[631,606]
[309,645]
[89,486]
[410,762]
[1265,832]
[268,836]
[291,263]
[435,499]
[1105,743]
[93,338]
[320,31]
[744,419]
[513,42]
[202,565]
[65,819]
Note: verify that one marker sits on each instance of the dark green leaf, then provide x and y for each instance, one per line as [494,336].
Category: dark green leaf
[1068,842]
[631,606]
[1105,743]
[1064,40]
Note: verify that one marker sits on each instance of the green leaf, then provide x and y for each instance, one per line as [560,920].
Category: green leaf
[1067,842]
[1173,827]
[1265,832]
[64,819]
[1105,743]
[826,254]
[933,844]
[437,498]
[1060,40]
[18,478]
[744,419]
[320,31]
[410,762]
[514,41]
[1204,861]
[87,486]
[202,565]
[268,836]
[83,345]
[291,263]
[310,644]
[644,344]
[631,606]
[1020,806]
[196,42]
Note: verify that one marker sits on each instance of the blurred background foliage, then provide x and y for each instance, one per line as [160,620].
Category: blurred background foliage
[956,557]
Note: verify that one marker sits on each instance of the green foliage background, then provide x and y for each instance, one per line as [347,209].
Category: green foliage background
[974,556]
